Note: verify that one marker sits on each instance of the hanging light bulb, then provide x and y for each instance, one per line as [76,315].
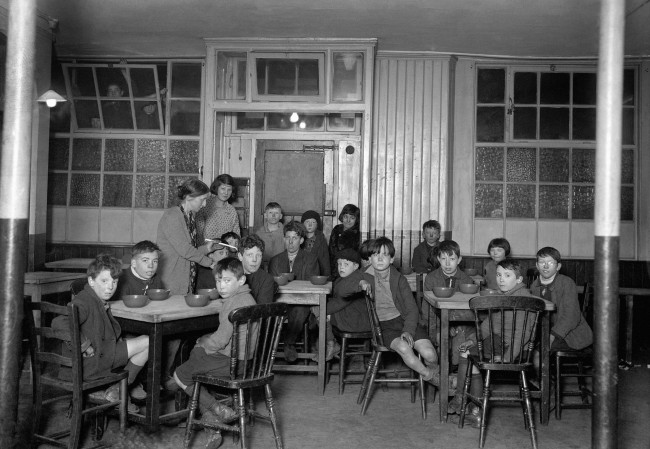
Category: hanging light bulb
[51,98]
[302,125]
[294,117]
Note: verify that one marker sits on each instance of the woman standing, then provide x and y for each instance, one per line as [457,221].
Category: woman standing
[219,216]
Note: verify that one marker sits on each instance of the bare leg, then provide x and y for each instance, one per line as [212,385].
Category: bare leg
[410,359]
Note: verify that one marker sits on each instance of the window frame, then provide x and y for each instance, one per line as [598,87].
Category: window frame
[253,58]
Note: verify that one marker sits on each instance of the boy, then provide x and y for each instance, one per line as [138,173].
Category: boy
[304,265]
[569,330]
[398,313]
[204,276]
[315,241]
[448,274]
[141,275]
[261,283]
[365,253]
[103,349]
[232,239]
[498,249]
[424,255]
[271,231]
[211,355]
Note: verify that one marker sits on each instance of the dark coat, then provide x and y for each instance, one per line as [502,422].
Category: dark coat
[304,266]
[262,286]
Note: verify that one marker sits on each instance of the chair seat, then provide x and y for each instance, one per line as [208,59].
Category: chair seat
[55,381]
[234,384]
[351,335]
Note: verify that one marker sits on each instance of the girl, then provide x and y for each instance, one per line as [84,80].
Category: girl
[498,249]
[345,235]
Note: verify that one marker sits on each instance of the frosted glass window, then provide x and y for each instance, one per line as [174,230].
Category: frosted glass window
[520,200]
[118,191]
[554,165]
[87,154]
[583,203]
[152,155]
[84,190]
[489,164]
[627,203]
[584,165]
[118,155]
[554,201]
[172,192]
[488,201]
[150,191]
[59,154]
[57,189]
[184,156]
[521,165]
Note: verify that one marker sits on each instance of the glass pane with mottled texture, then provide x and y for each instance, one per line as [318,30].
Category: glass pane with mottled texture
[554,165]
[582,205]
[584,88]
[150,191]
[554,88]
[119,155]
[583,165]
[488,201]
[490,124]
[489,164]
[525,123]
[629,88]
[87,154]
[627,167]
[525,88]
[172,189]
[491,86]
[184,156]
[152,155]
[84,190]
[520,201]
[185,118]
[521,164]
[87,114]
[59,154]
[57,189]
[554,201]
[627,203]
[627,136]
[554,123]
[584,124]
[118,191]
[186,80]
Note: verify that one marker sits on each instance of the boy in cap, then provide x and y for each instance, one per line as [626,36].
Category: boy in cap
[315,242]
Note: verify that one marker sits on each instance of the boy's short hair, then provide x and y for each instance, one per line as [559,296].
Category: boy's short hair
[296,227]
[230,235]
[431,224]
[351,209]
[251,241]
[449,247]
[377,244]
[512,265]
[273,205]
[105,262]
[365,250]
[350,255]
[499,243]
[221,180]
[549,251]
[145,246]
[231,264]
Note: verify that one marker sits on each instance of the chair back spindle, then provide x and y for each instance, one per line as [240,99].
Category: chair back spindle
[377,337]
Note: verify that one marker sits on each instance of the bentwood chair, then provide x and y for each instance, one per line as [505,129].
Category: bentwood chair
[353,344]
[385,375]
[257,329]
[504,348]
[62,371]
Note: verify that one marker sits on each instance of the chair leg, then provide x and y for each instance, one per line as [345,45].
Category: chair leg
[529,408]
[466,386]
[241,409]
[274,419]
[366,377]
[124,403]
[423,397]
[194,404]
[484,408]
[558,386]
[342,363]
[75,422]
[373,374]
[305,346]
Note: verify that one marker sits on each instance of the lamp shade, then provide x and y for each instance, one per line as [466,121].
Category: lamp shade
[51,98]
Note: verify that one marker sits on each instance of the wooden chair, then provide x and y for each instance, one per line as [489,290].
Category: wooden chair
[428,318]
[352,344]
[506,350]
[370,377]
[259,327]
[45,344]
[575,363]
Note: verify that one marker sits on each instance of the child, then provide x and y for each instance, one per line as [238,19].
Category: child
[345,235]
[232,239]
[365,252]
[425,258]
[315,241]
[569,330]
[498,249]
[261,283]
[448,274]
[398,313]
[103,349]
[271,231]
[141,275]
[205,277]
[211,355]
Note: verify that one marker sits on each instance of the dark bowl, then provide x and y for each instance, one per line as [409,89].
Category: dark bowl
[471,271]
[197,300]
[135,300]
[290,276]
[443,292]
[318,280]
[469,288]
[212,293]
[281,280]
[158,294]
[489,292]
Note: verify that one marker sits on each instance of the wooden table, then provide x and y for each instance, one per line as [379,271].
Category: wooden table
[477,278]
[629,294]
[73,264]
[457,308]
[39,283]
[304,293]
[157,319]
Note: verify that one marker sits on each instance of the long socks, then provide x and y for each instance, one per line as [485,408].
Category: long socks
[133,371]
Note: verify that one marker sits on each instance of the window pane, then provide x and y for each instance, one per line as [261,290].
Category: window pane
[347,77]
[112,82]
[152,155]
[82,82]
[521,165]
[185,118]
[186,80]
[491,85]
[150,191]
[489,164]
[308,77]
[525,88]
[118,155]
[488,201]
[59,154]
[117,114]
[489,124]
[311,122]
[340,122]
[520,201]
[583,203]
[60,118]
[87,114]
[554,88]
[627,167]
[143,82]
[554,123]
[525,123]
[118,190]
[279,121]
[84,190]
[554,165]
[584,165]
[250,120]
[87,154]
[627,203]
[231,76]
[584,124]
[146,115]
[553,201]
[584,88]
[628,126]
[184,156]
[628,88]
[57,189]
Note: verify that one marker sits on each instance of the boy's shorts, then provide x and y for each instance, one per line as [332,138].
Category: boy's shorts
[393,329]
[200,362]
[121,355]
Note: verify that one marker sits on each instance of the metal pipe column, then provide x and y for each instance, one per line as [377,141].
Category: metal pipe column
[14,203]
[607,223]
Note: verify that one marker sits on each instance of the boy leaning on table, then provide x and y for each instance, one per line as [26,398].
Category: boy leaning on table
[211,354]
[103,349]
[141,275]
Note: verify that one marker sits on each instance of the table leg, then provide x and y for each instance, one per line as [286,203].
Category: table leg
[152,414]
[545,367]
[444,363]
[322,323]
[629,323]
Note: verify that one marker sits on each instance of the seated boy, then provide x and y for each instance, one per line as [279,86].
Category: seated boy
[261,283]
[569,330]
[448,274]
[103,349]
[204,275]
[211,354]
[232,239]
[271,231]
[141,275]
[398,313]
[304,265]
[424,255]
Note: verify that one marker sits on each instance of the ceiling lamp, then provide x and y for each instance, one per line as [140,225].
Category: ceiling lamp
[294,117]
[51,98]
